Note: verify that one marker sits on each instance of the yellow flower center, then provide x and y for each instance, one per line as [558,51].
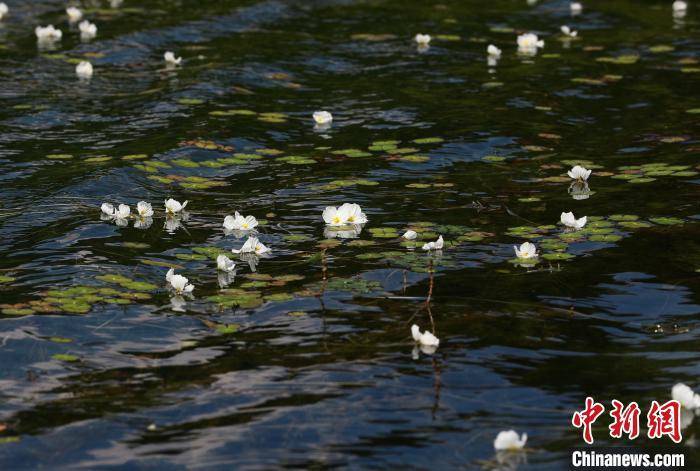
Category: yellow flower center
[336,220]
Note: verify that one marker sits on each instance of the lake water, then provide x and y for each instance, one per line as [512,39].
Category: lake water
[308,361]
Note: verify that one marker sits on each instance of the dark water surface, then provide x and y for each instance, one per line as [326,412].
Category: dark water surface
[309,362]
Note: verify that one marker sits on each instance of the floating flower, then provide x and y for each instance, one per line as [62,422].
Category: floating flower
[3,10]
[84,69]
[579,190]
[120,215]
[354,213]
[437,245]
[509,440]
[493,51]
[678,5]
[422,39]
[527,250]
[225,264]
[122,212]
[47,33]
[322,117]
[107,209]
[347,213]
[575,8]
[170,58]
[173,207]
[410,235]
[579,173]
[685,396]
[240,223]
[87,30]
[424,338]
[144,209]
[178,283]
[145,215]
[528,43]
[566,31]
[569,220]
[74,14]
[252,245]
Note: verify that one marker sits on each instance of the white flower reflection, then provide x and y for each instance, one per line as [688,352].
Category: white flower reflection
[178,303]
[579,190]
[349,231]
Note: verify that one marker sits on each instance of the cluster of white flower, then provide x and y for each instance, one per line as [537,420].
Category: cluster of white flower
[579,175]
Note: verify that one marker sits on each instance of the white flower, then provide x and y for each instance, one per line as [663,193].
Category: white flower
[579,173]
[171,59]
[569,220]
[509,440]
[354,213]
[225,264]
[74,14]
[240,223]
[322,117]
[347,213]
[526,250]
[84,69]
[47,33]
[108,209]
[410,235]
[123,212]
[678,5]
[144,209]
[178,283]
[424,338]
[115,3]
[568,31]
[437,245]
[120,215]
[333,216]
[87,30]
[575,8]
[685,396]
[422,39]
[3,10]
[252,245]
[529,42]
[493,51]
[173,206]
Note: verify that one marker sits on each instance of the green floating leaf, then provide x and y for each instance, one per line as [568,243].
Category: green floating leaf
[667,221]
[605,238]
[428,140]
[626,59]
[65,357]
[634,224]
[227,328]
[6,279]
[557,256]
